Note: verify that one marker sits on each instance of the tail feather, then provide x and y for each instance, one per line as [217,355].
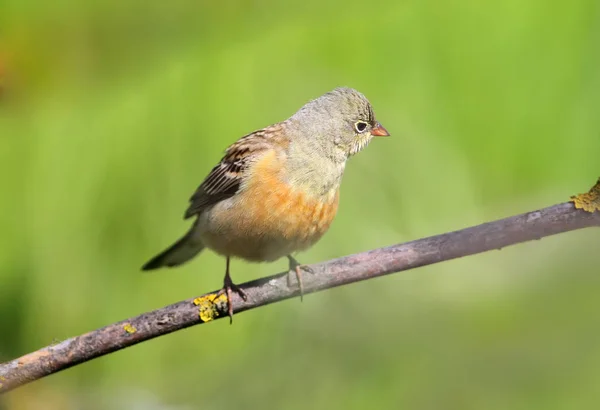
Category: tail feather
[180,252]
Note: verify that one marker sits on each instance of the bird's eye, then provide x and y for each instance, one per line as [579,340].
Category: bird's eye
[360,126]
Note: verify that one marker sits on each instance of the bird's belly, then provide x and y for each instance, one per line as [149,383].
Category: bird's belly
[266,223]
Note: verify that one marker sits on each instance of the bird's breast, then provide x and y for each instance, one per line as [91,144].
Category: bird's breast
[270,217]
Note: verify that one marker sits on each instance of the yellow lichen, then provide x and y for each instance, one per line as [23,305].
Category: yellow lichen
[129,328]
[209,306]
[589,201]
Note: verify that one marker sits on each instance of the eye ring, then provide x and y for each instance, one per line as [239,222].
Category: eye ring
[360,126]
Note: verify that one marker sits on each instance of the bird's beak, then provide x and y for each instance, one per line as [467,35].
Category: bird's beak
[379,131]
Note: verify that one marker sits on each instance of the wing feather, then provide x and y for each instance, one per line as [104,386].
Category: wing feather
[225,179]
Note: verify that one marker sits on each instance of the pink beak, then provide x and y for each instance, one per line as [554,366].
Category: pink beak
[379,131]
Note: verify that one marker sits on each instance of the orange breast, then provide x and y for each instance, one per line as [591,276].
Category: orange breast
[269,218]
[293,215]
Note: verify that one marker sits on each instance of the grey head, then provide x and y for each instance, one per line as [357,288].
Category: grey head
[339,123]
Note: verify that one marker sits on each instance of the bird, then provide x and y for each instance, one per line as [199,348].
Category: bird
[275,192]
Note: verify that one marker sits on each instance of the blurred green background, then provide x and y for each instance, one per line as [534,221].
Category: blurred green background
[113,111]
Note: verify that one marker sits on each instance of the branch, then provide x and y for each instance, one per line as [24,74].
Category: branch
[362,266]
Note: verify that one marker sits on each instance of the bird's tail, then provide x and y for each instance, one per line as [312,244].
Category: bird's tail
[180,252]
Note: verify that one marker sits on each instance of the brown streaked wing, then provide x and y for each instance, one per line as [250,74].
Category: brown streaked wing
[224,180]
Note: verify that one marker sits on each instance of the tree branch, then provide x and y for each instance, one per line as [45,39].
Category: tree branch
[378,262]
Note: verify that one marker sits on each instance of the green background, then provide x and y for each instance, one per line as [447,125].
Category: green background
[114,111]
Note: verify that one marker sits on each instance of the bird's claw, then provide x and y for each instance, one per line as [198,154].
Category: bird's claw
[228,288]
[297,268]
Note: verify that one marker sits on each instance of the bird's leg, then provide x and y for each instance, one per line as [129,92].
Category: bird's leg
[297,267]
[228,287]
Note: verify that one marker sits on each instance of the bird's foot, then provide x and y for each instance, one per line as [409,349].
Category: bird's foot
[228,288]
[297,268]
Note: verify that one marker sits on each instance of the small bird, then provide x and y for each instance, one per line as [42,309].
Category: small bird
[276,190]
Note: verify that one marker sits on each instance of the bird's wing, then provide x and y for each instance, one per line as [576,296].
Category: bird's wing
[225,179]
